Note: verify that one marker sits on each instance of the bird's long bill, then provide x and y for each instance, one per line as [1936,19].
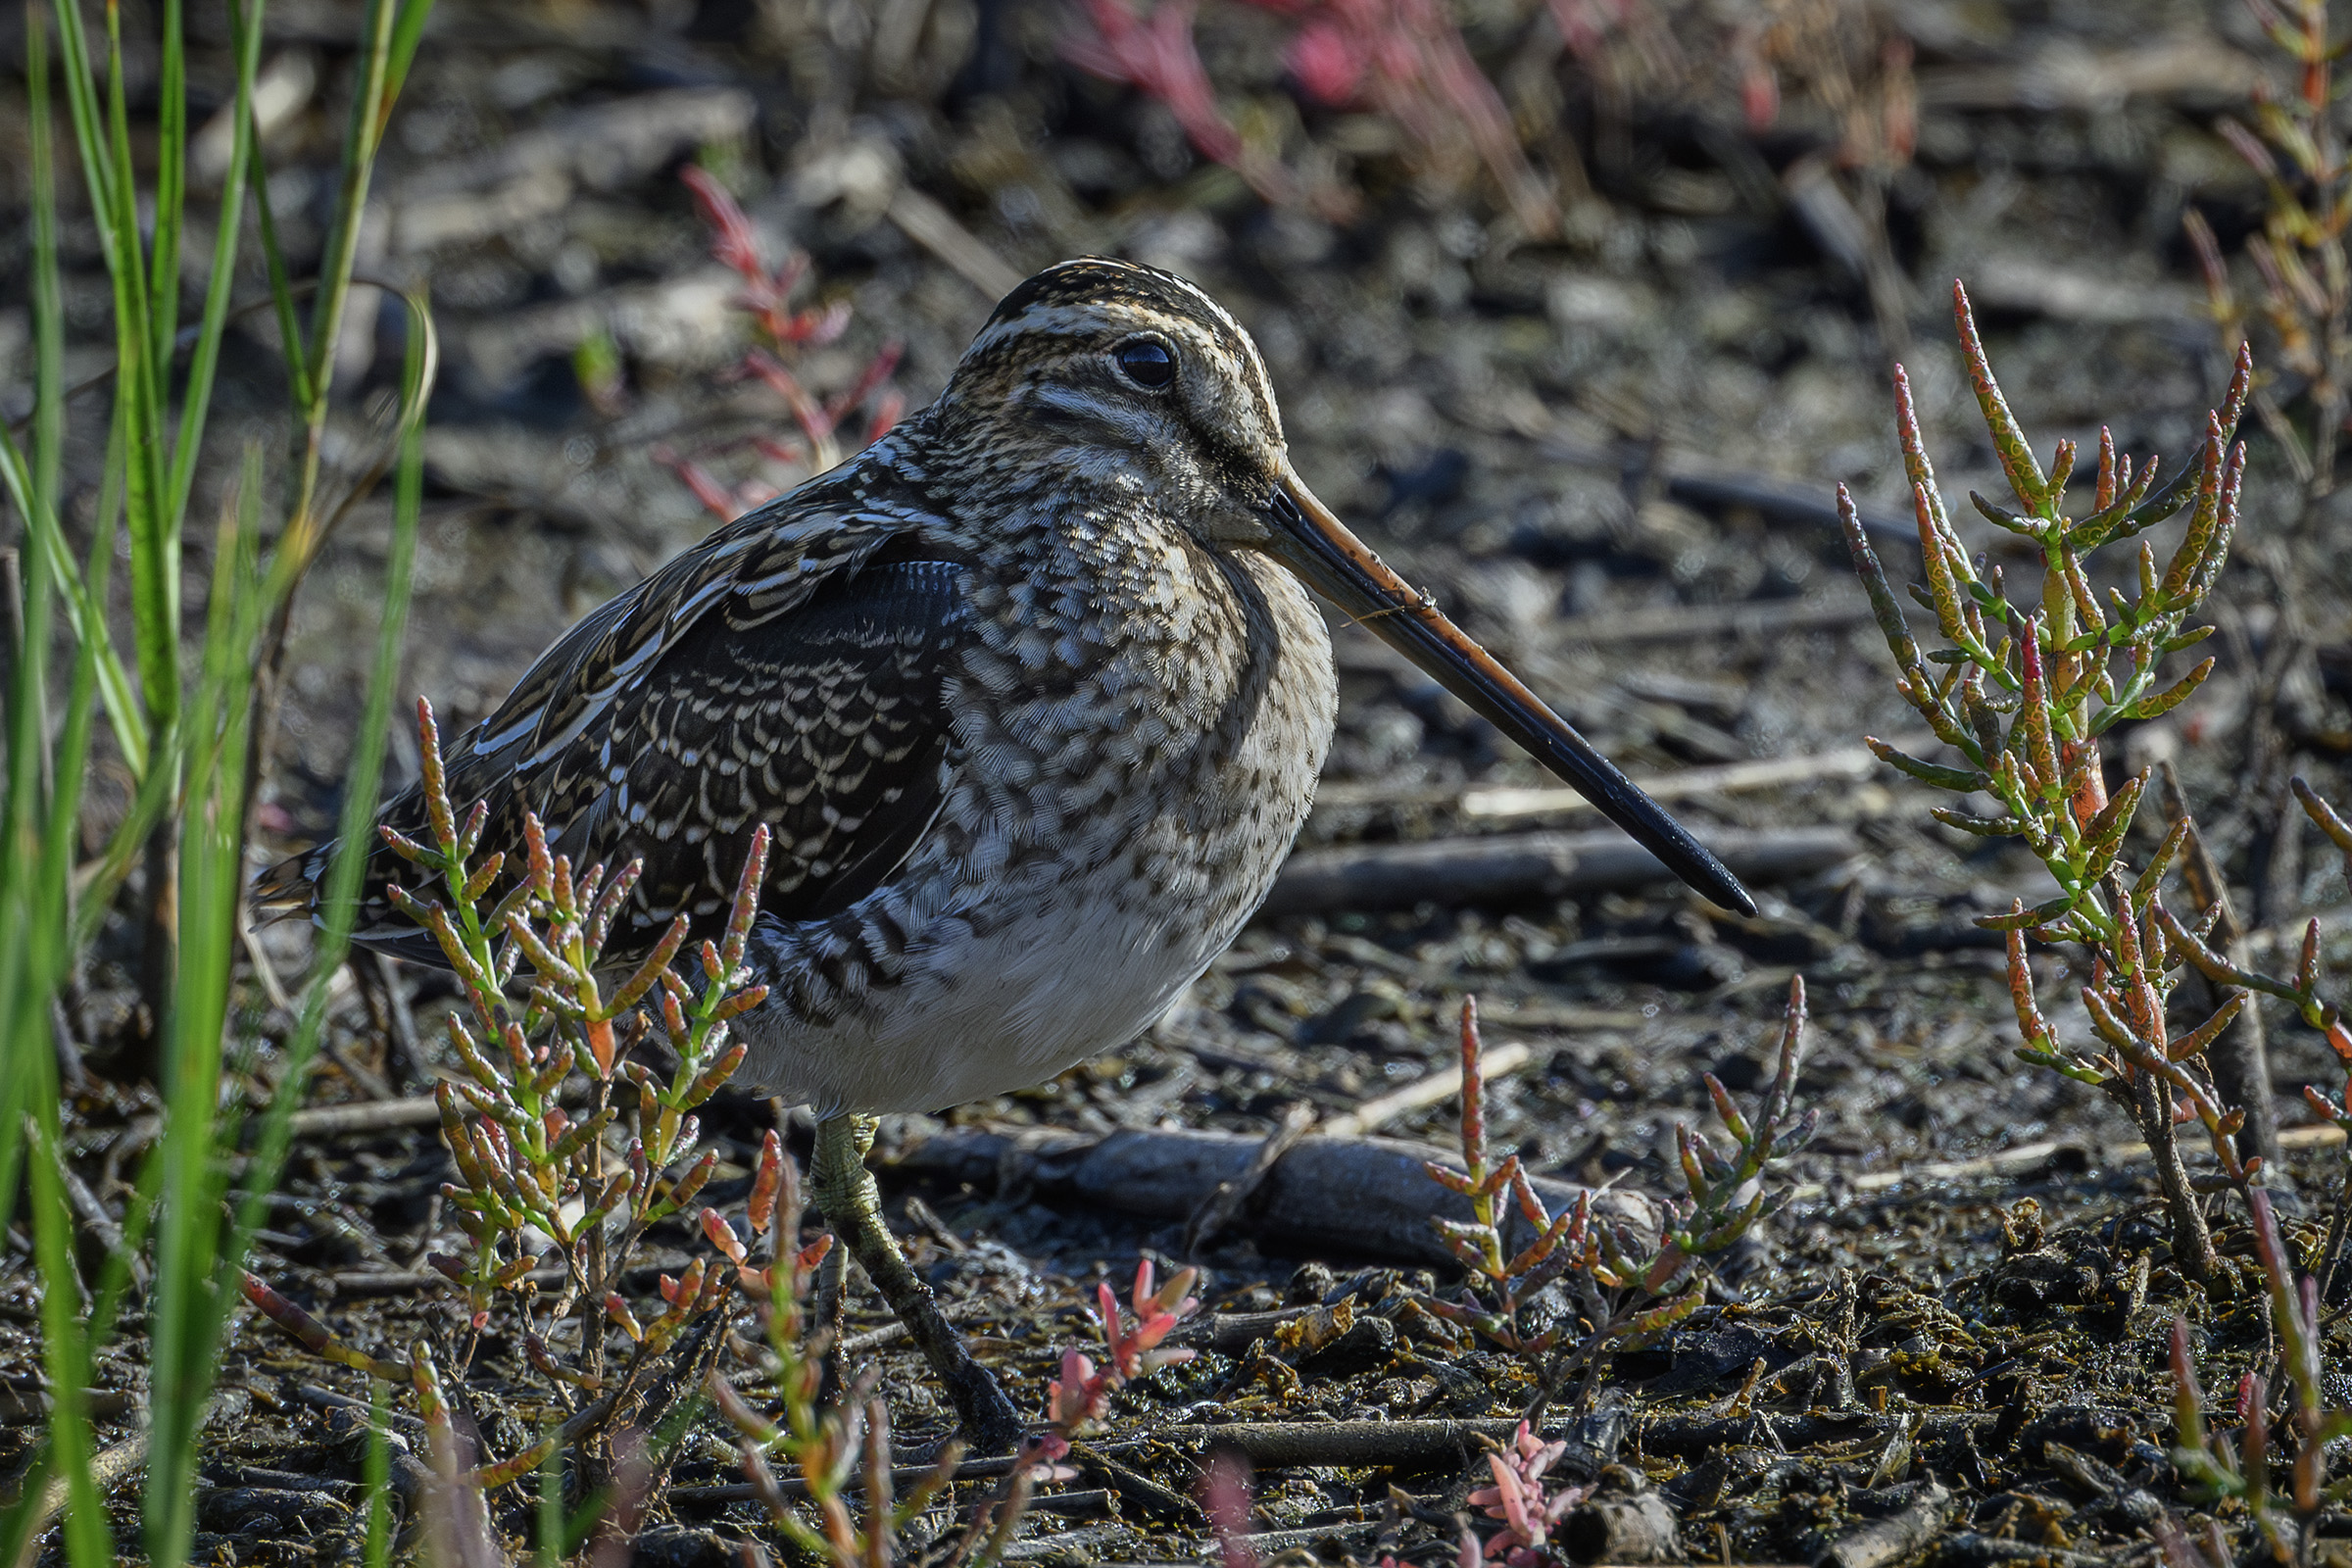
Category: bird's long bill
[1318,547]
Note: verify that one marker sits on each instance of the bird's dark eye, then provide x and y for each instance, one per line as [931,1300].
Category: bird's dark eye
[1147,364]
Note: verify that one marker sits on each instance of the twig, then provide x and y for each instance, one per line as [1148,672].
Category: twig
[1747,619]
[892,1333]
[375,1116]
[1218,1208]
[1427,1090]
[2026,1157]
[2240,1058]
[1897,1538]
[267,972]
[935,229]
[1523,868]
[102,1224]
[1778,501]
[1730,778]
[401,1022]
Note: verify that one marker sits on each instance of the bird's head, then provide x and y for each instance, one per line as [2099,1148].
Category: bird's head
[1134,379]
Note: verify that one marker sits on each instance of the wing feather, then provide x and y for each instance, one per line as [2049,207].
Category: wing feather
[775,673]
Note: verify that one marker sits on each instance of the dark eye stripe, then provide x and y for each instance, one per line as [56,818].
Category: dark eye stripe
[1146,363]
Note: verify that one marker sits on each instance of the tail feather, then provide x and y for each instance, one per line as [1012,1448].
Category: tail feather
[290,888]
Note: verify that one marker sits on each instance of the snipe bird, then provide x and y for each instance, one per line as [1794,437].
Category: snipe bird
[1032,693]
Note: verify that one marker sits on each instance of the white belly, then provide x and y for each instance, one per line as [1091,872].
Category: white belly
[993,1013]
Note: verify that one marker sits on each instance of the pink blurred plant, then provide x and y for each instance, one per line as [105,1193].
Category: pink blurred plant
[1156,55]
[1406,59]
[1225,1499]
[2296,145]
[766,293]
[1081,1395]
[784,332]
[1522,1498]
[2285,1445]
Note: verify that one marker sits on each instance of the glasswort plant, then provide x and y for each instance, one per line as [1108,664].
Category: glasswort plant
[1630,1288]
[2024,695]
[533,1178]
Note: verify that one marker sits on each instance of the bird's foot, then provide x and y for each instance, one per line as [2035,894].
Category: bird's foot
[846,1194]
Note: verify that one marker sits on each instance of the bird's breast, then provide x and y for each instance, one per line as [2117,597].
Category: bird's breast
[1146,704]
[1138,722]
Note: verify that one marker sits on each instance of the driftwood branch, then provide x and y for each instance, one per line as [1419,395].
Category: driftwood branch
[1355,1197]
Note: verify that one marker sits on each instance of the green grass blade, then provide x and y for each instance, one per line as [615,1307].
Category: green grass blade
[24,981]
[84,614]
[376,1476]
[282,297]
[186,1309]
[368,106]
[408,32]
[148,803]
[339,900]
[65,1352]
[23,811]
[171,199]
[81,101]
[102,178]
[48,950]
[48,287]
[154,543]
[35,877]
[196,401]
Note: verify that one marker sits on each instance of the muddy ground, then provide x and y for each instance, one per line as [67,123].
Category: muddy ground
[1528,428]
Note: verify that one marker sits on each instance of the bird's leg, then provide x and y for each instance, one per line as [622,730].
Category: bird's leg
[846,1194]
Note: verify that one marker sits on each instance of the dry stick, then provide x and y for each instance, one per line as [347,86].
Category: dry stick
[1218,1208]
[1852,762]
[2241,1059]
[102,1225]
[1520,867]
[1778,501]
[373,1117]
[1427,1090]
[1895,1539]
[2029,1157]
[935,229]
[892,1333]
[1503,805]
[1678,622]
[407,1058]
